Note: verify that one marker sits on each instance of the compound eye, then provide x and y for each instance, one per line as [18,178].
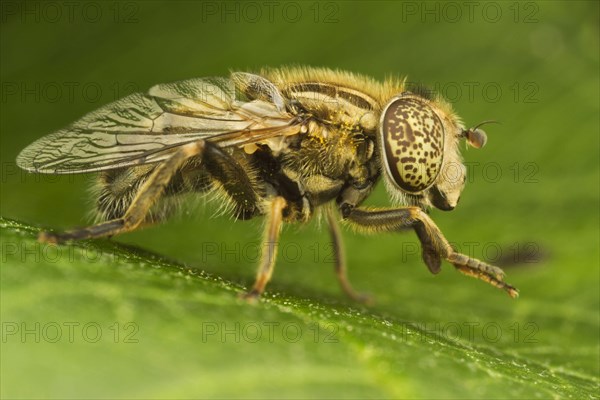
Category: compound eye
[412,137]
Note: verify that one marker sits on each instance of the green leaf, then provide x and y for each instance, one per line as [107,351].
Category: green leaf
[100,319]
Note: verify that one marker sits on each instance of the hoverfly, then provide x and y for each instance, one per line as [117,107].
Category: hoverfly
[283,144]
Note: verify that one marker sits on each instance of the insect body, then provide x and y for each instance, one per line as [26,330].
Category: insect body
[281,144]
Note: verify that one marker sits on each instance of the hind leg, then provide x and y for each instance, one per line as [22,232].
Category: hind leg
[150,191]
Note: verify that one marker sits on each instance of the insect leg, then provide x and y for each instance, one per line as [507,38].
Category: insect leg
[340,260]
[270,239]
[435,245]
[236,179]
[147,195]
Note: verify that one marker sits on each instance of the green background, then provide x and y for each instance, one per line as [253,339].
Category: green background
[171,325]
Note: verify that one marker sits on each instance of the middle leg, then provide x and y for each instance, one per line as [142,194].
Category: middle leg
[269,249]
[340,261]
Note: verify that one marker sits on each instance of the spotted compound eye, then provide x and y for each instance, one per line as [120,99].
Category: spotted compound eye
[412,137]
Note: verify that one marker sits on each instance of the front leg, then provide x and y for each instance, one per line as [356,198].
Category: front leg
[435,245]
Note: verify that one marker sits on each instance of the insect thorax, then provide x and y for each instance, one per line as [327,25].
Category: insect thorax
[336,150]
[317,166]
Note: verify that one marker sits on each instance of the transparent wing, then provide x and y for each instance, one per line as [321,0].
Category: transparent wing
[147,128]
